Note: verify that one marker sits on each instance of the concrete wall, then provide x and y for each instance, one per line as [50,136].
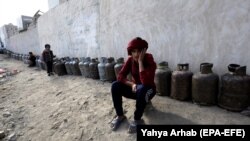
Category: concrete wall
[25,42]
[71,28]
[52,3]
[62,1]
[178,31]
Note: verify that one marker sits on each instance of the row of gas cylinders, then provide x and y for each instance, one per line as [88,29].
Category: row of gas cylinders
[17,56]
[106,69]
[231,92]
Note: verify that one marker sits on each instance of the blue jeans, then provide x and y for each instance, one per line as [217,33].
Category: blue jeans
[142,96]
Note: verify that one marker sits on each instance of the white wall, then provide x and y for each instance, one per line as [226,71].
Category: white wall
[178,31]
[71,29]
[52,3]
[25,42]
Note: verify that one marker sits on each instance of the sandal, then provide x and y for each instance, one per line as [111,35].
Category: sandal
[116,122]
[133,126]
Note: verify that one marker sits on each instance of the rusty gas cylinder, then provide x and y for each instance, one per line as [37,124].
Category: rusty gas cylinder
[93,68]
[163,79]
[181,83]
[205,85]
[59,67]
[235,89]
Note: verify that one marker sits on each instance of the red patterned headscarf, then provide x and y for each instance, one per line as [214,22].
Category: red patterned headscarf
[137,43]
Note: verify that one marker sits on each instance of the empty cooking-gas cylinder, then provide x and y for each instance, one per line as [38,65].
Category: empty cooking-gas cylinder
[118,66]
[205,85]
[86,67]
[163,79]
[101,68]
[67,66]
[75,67]
[37,58]
[93,68]
[235,89]
[81,65]
[59,67]
[109,70]
[181,83]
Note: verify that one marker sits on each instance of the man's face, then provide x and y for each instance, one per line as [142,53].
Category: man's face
[135,54]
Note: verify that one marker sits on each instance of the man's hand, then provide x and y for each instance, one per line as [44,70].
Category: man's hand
[134,88]
[142,54]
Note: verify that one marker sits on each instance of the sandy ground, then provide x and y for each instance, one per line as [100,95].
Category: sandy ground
[35,107]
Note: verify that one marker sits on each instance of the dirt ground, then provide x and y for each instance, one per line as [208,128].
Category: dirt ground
[35,107]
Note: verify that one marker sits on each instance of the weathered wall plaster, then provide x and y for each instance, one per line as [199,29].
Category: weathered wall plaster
[178,31]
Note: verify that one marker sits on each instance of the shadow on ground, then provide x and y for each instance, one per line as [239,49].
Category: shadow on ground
[153,116]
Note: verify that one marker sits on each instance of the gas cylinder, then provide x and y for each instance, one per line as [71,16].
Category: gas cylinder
[163,79]
[181,83]
[118,66]
[205,85]
[235,89]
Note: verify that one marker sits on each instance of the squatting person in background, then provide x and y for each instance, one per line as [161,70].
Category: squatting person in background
[32,60]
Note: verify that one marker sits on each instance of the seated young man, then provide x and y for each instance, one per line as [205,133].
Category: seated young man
[141,66]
